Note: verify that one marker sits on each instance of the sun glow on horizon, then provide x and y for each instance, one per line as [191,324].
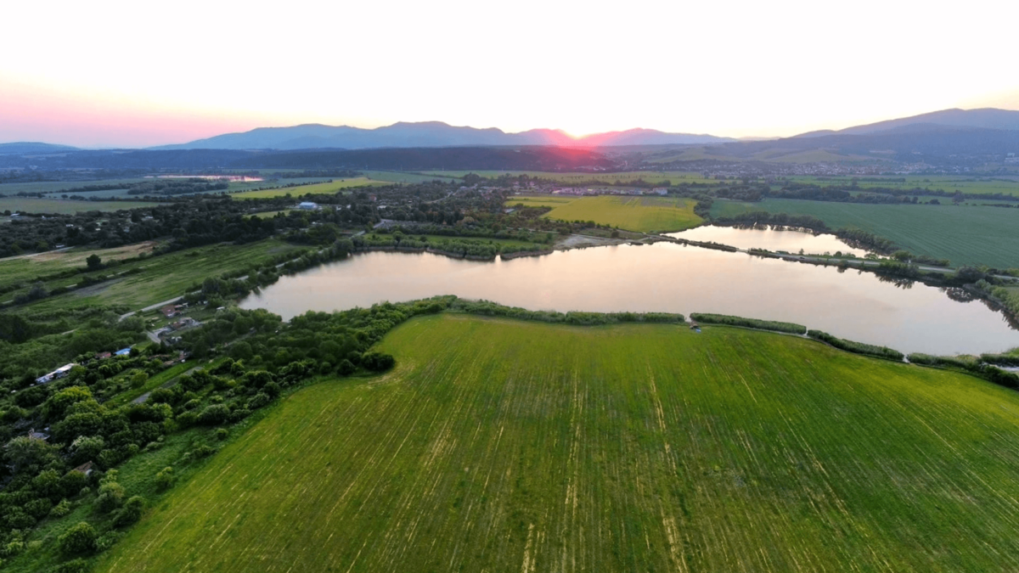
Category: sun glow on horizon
[102,74]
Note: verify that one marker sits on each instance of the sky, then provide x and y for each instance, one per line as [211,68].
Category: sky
[112,73]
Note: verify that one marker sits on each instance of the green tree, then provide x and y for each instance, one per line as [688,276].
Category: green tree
[23,452]
[94,262]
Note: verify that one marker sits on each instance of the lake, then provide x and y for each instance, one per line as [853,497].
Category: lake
[788,240]
[662,277]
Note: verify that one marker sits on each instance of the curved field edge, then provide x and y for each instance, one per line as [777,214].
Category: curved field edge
[965,235]
[501,445]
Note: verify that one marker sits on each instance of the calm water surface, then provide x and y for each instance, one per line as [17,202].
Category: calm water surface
[662,277]
[786,240]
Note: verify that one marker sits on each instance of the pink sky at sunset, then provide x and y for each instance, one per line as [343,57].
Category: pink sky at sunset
[35,115]
[116,73]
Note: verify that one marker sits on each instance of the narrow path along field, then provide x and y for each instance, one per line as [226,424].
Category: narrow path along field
[641,214]
[508,446]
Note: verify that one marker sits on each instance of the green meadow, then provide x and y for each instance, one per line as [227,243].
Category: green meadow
[498,445]
[28,267]
[653,177]
[57,186]
[162,277]
[947,183]
[314,188]
[965,235]
[65,207]
[403,177]
[642,214]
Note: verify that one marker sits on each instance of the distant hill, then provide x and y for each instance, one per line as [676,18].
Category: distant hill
[903,142]
[985,118]
[428,134]
[29,147]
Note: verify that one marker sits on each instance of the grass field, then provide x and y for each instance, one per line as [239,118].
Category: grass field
[508,446]
[964,235]
[675,177]
[400,177]
[163,277]
[948,183]
[315,188]
[56,186]
[27,267]
[642,214]
[65,207]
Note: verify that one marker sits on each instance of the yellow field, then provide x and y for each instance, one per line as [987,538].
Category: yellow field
[641,214]
[314,189]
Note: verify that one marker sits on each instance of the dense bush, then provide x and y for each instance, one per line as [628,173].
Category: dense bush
[164,479]
[111,495]
[856,347]
[749,323]
[214,415]
[73,566]
[80,539]
[377,362]
[131,512]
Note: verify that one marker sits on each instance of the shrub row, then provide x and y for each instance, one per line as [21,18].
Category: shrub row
[978,369]
[1001,359]
[486,308]
[749,322]
[856,347]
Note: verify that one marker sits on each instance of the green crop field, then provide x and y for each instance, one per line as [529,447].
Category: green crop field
[163,277]
[964,235]
[65,207]
[631,213]
[507,446]
[315,188]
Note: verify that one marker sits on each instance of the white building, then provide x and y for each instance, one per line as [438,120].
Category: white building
[58,373]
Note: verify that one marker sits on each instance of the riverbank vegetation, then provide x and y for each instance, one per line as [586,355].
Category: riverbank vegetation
[776,326]
[856,347]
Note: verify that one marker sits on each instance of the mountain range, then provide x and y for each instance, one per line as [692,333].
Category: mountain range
[429,134]
[947,129]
